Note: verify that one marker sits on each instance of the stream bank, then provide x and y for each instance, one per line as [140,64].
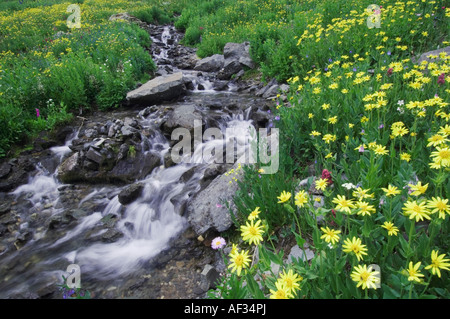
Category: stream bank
[104,193]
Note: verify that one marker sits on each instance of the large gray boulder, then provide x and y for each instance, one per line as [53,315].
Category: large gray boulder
[238,52]
[206,211]
[161,88]
[237,56]
[183,116]
[425,56]
[125,16]
[126,170]
[210,64]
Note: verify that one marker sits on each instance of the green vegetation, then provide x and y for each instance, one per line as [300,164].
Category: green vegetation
[372,123]
[42,60]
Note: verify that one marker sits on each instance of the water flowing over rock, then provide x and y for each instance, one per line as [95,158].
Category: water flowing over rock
[109,196]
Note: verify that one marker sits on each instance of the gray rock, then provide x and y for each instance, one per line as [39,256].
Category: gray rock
[123,151]
[210,64]
[220,85]
[22,239]
[91,133]
[111,131]
[5,208]
[5,168]
[162,88]
[238,52]
[112,235]
[271,91]
[230,68]
[131,193]
[128,131]
[425,56]
[297,253]
[134,168]
[209,277]
[182,116]
[69,168]
[131,122]
[203,212]
[127,17]
[95,156]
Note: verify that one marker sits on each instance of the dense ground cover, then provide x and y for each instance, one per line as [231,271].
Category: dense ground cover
[47,66]
[376,122]
[359,108]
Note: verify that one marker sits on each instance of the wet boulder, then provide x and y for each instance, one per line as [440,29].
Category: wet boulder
[131,193]
[206,211]
[182,116]
[159,89]
[210,64]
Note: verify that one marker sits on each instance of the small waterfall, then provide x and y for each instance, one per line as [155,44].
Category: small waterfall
[148,224]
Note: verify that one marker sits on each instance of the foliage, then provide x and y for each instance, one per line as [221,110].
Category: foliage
[377,219]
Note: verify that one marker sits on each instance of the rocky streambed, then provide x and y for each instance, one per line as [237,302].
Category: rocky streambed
[105,192]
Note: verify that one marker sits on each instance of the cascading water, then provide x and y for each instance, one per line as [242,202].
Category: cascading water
[147,225]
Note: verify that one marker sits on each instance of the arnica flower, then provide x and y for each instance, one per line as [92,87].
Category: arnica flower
[321,184]
[441,157]
[354,245]
[290,281]
[328,138]
[252,232]
[416,210]
[391,190]
[330,235]
[381,150]
[392,230]
[361,193]
[332,120]
[438,262]
[239,261]
[365,277]
[218,243]
[439,205]
[405,157]
[284,197]
[281,292]
[254,214]
[301,198]
[364,208]
[343,204]
[413,272]
[418,189]
[437,140]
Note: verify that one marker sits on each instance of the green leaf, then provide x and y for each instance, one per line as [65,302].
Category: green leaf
[389,293]
[254,287]
[407,252]
[428,297]
[300,240]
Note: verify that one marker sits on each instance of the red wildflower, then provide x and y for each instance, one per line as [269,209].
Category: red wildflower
[327,175]
[441,79]
[389,71]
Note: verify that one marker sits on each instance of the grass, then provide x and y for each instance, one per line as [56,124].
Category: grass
[361,109]
[78,69]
